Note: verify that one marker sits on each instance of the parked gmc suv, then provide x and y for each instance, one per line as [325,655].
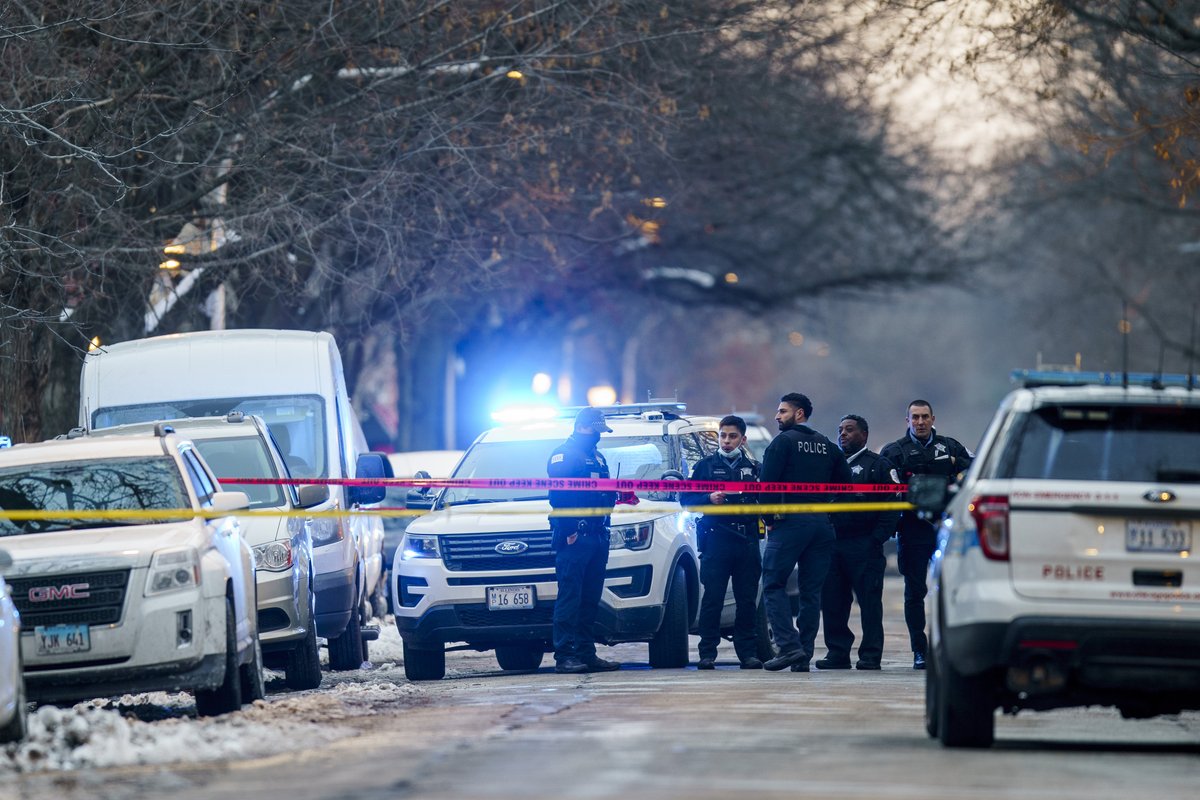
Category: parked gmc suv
[1065,573]
[479,569]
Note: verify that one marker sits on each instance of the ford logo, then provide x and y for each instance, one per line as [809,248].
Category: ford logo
[511,547]
[1160,496]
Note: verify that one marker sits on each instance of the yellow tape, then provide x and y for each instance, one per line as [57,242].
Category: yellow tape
[155,515]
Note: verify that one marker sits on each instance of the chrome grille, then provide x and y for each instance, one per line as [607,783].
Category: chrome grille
[477,552]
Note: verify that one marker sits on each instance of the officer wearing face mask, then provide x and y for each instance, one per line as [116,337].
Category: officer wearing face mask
[580,545]
[728,547]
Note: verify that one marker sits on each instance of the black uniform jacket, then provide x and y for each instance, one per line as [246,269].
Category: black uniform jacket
[714,467]
[577,458]
[801,455]
[868,467]
[940,456]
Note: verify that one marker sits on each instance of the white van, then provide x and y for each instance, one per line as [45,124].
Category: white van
[294,381]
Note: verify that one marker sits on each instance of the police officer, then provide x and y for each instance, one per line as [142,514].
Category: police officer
[580,544]
[858,562]
[922,451]
[798,455]
[728,547]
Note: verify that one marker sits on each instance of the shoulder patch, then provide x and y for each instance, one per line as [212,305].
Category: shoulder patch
[556,458]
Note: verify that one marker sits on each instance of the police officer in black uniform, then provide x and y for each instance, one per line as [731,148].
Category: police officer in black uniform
[580,545]
[798,455]
[728,547]
[922,451]
[858,561]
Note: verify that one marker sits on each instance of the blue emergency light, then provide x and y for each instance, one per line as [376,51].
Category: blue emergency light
[1032,377]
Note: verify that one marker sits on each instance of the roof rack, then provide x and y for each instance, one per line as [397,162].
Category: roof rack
[1029,378]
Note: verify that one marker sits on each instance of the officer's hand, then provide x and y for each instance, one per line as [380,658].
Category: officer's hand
[571,539]
[717,498]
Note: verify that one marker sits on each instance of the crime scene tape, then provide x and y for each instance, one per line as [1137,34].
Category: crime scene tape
[590,484]
[154,515]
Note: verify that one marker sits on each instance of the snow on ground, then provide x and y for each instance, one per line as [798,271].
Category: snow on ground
[162,728]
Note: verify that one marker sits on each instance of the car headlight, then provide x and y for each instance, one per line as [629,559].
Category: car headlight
[173,570]
[273,556]
[630,537]
[415,545]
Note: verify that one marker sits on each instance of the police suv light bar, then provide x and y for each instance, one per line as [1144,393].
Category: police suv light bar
[1029,378]
[626,409]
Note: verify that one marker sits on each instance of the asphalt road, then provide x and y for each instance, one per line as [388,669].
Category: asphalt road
[641,733]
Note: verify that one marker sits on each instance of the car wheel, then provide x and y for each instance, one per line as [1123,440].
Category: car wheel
[251,675]
[931,696]
[965,706]
[762,633]
[669,647]
[304,662]
[228,696]
[518,658]
[424,663]
[347,651]
[16,728]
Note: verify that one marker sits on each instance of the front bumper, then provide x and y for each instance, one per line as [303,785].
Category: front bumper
[282,612]
[474,624]
[335,601]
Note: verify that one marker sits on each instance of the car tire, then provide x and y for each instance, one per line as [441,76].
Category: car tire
[931,696]
[18,726]
[251,675]
[669,647]
[228,696]
[347,652]
[765,651]
[518,658]
[303,670]
[966,711]
[424,663]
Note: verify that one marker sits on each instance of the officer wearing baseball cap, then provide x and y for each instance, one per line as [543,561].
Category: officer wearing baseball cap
[580,545]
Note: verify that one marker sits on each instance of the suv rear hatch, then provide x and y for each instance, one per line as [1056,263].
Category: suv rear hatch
[1101,502]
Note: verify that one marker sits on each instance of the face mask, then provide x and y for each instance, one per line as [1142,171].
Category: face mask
[590,438]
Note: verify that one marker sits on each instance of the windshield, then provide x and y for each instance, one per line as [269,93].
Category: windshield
[1108,443]
[115,484]
[243,457]
[297,423]
[634,457]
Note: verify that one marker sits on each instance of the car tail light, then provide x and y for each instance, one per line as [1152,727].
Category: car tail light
[990,513]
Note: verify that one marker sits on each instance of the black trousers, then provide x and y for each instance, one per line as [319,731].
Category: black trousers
[857,568]
[913,551]
[727,558]
[579,569]
[804,541]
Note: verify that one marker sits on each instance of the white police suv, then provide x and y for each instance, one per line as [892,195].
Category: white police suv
[132,599]
[1065,573]
[478,569]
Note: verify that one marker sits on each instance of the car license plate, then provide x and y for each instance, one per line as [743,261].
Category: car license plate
[57,640]
[507,598]
[1158,536]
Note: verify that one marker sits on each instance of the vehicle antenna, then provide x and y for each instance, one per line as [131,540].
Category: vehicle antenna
[1192,354]
[1125,329]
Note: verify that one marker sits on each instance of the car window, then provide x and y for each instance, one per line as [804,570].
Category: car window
[1109,443]
[635,457]
[114,484]
[297,423]
[243,457]
[693,449]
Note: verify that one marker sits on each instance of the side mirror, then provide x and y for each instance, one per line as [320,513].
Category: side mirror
[230,501]
[312,494]
[5,561]
[420,497]
[368,467]
[929,494]
[668,475]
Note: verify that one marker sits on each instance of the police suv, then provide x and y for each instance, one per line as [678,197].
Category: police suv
[1064,573]
[479,569]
